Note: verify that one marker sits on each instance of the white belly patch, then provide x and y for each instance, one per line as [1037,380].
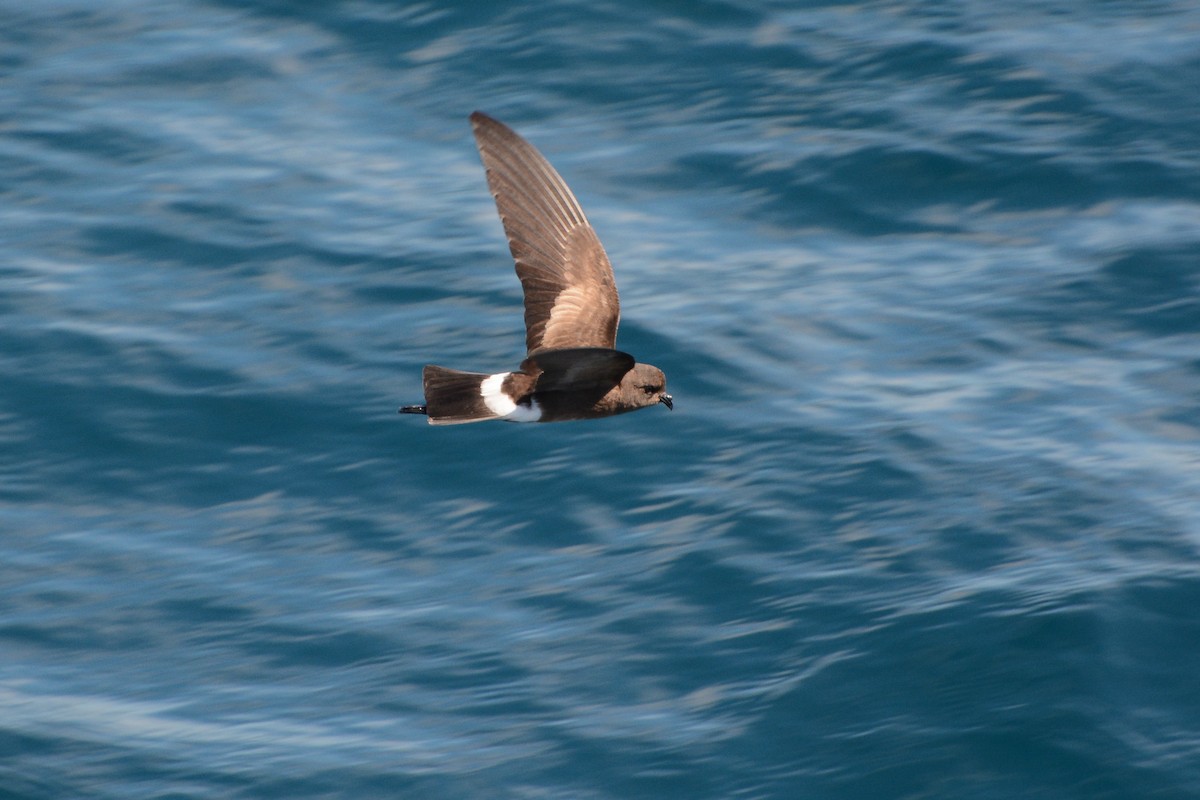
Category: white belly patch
[500,404]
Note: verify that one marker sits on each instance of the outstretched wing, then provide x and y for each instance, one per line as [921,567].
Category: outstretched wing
[570,294]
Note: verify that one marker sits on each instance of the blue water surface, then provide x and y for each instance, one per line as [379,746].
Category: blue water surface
[925,522]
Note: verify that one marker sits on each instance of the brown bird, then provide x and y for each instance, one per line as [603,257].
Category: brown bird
[572,369]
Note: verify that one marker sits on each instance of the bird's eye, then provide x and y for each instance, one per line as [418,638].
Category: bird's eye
[649,389]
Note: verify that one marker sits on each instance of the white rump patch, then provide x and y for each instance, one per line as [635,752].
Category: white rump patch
[500,404]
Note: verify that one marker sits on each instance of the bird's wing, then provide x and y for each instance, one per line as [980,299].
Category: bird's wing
[570,294]
[577,369]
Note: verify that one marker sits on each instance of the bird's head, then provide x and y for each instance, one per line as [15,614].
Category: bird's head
[646,385]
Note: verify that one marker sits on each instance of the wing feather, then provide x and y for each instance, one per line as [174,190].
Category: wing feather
[570,293]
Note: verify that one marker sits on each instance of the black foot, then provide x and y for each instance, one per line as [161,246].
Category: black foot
[413,410]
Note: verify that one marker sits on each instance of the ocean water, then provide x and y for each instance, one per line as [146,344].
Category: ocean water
[925,522]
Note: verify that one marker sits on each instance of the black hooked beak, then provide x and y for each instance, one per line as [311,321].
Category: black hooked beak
[666,401]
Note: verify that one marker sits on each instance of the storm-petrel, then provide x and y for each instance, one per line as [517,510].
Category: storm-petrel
[571,370]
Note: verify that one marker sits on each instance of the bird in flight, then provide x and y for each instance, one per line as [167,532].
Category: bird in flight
[572,369]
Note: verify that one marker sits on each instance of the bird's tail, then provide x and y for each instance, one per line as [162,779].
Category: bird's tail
[452,397]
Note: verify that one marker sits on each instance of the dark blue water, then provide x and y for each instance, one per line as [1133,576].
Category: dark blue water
[925,523]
